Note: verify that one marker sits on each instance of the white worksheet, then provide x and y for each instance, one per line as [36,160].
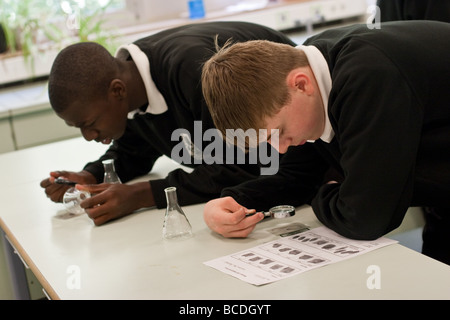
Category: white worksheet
[292,255]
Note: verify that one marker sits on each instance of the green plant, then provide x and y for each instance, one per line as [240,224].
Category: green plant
[91,25]
[34,26]
[27,28]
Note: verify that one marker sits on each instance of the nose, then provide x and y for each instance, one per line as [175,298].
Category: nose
[283,148]
[89,134]
[281,145]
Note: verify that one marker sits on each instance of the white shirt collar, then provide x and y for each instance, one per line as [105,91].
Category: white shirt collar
[321,72]
[156,102]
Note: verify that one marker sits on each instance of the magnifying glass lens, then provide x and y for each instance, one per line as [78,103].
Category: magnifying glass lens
[283,211]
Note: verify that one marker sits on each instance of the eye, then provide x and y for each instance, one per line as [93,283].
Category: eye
[278,132]
[274,133]
[91,124]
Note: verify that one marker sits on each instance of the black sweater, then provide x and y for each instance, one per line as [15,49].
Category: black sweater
[176,57]
[389,107]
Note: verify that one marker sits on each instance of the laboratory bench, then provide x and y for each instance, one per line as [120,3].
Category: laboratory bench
[128,258]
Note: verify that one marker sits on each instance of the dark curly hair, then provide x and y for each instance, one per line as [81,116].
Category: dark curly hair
[80,72]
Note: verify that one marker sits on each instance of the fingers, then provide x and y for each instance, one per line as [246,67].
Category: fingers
[99,214]
[59,174]
[93,188]
[45,183]
[243,229]
[104,212]
[96,208]
[238,224]
[94,202]
[56,174]
[53,175]
[102,207]
[244,233]
[102,219]
[54,192]
[235,218]
[228,203]
[228,218]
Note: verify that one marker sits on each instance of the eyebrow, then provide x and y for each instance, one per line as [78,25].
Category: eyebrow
[84,122]
[77,125]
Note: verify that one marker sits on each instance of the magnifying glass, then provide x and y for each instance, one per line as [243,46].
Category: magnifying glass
[64,181]
[278,212]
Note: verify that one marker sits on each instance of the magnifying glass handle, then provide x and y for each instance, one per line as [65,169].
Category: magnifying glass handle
[267,214]
[64,181]
[253,212]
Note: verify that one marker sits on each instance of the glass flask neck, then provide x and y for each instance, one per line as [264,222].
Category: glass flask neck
[171,196]
[110,172]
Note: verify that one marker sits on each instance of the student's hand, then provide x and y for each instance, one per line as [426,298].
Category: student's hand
[228,218]
[56,191]
[112,201]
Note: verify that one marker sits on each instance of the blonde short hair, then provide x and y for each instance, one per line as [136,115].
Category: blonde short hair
[245,82]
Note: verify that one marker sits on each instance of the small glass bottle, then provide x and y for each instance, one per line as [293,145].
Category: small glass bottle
[176,225]
[72,199]
[110,172]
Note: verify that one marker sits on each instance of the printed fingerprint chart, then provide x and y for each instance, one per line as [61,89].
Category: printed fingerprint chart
[270,265]
[289,256]
[326,244]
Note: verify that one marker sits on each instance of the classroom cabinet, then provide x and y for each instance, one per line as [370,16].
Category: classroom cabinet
[6,141]
[39,125]
[27,119]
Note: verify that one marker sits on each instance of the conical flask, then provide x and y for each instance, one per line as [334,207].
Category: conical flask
[176,225]
[110,172]
[72,199]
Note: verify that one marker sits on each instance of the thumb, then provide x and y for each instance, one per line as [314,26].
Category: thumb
[243,212]
[92,188]
[57,174]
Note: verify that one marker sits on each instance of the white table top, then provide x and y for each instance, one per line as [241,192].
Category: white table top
[35,164]
[128,259]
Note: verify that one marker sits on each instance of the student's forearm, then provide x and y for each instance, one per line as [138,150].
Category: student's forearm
[143,195]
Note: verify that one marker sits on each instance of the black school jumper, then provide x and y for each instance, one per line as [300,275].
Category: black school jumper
[389,107]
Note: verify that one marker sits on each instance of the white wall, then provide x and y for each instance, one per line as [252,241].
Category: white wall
[156,10]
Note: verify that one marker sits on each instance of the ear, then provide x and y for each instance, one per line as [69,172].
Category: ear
[117,89]
[299,80]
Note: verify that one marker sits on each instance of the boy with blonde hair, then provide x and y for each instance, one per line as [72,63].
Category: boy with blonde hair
[371,104]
